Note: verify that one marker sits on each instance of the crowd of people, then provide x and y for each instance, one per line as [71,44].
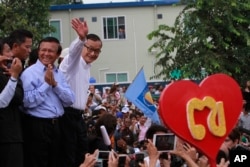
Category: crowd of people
[51,116]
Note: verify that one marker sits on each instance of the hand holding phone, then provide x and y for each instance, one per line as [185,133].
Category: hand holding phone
[164,142]
[113,159]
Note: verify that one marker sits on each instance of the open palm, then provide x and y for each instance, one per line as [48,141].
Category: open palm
[81,28]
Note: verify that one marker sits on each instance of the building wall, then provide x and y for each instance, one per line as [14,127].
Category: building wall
[127,55]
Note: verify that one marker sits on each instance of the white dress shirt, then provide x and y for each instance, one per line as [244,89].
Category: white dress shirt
[77,73]
[8,92]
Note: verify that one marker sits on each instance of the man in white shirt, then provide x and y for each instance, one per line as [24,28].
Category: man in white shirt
[76,68]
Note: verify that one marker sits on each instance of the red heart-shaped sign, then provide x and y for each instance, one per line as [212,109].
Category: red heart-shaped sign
[204,114]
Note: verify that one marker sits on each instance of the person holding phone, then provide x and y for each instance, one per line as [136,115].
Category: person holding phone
[11,96]
[153,158]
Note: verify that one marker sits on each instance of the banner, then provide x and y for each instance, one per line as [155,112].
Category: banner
[138,93]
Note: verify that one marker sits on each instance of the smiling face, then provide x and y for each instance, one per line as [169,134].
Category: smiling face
[91,50]
[48,52]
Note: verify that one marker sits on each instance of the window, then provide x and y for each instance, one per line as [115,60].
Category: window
[114,27]
[57,25]
[94,19]
[117,77]
[159,16]
[81,19]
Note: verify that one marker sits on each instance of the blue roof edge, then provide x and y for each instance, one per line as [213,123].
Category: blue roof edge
[111,5]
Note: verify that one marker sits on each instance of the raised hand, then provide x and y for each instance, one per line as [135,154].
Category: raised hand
[191,151]
[223,163]
[81,28]
[90,159]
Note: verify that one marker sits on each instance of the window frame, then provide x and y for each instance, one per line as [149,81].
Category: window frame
[116,77]
[60,29]
[117,25]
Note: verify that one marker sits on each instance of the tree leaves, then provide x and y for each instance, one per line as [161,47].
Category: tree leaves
[207,34]
[32,15]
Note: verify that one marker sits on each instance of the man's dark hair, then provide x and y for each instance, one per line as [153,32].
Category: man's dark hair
[234,135]
[33,57]
[132,116]
[154,129]
[93,37]
[52,39]
[18,36]
[109,121]
[140,114]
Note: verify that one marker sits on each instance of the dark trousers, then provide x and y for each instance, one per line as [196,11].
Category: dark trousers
[11,154]
[41,142]
[74,138]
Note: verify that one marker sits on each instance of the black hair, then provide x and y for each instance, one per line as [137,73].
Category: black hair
[109,121]
[18,36]
[221,154]
[132,116]
[140,114]
[93,37]
[234,135]
[154,129]
[52,39]
[33,57]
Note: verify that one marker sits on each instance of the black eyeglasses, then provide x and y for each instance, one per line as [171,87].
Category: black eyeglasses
[90,50]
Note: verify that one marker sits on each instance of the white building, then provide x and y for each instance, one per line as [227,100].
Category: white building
[121,57]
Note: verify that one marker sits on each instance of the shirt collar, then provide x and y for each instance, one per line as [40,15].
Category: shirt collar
[43,67]
[85,64]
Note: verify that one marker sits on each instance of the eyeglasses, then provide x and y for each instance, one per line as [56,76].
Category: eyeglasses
[90,50]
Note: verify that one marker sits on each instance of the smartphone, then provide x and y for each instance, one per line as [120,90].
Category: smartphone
[8,63]
[139,158]
[104,155]
[122,160]
[164,142]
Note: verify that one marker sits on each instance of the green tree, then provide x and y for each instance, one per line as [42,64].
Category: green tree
[32,15]
[60,2]
[208,37]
